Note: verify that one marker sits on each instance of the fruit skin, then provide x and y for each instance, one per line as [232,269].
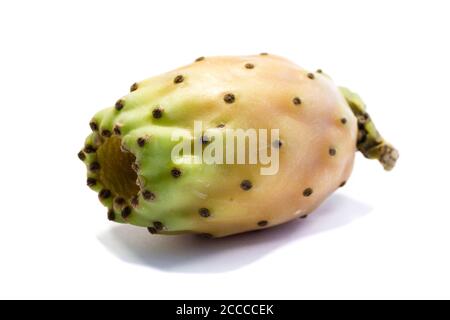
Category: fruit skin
[318,139]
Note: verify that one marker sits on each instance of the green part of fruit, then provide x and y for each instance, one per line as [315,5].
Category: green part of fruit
[370,142]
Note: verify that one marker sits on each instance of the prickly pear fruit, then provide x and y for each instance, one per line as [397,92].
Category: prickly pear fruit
[129,154]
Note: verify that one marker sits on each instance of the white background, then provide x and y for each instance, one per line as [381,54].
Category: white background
[385,235]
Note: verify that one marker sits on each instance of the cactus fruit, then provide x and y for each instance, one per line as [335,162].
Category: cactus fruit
[128,153]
